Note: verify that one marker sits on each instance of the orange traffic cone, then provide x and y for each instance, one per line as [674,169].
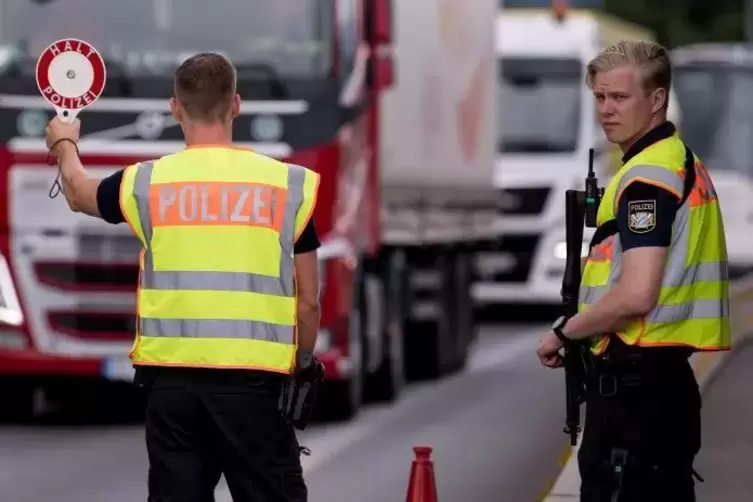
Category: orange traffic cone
[422,486]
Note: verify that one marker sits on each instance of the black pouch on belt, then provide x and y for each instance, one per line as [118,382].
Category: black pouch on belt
[299,392]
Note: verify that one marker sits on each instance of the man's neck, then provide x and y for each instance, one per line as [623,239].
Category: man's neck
[213,134]
[655,122]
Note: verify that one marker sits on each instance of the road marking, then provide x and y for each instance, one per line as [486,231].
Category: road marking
[326,444]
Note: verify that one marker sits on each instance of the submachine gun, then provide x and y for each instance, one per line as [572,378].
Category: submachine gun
[579,206]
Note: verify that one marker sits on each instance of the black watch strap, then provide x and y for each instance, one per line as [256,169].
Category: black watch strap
[557,329]
[558,332]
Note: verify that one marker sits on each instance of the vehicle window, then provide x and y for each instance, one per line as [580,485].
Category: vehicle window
[293,36]
[539,104]
[717,115]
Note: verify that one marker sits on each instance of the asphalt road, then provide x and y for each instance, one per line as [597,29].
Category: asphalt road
[727,440]
[496,429]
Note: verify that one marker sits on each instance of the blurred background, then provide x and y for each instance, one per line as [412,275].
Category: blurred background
[446,133]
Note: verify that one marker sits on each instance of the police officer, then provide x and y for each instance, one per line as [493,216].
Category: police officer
[227,296]
[654,290]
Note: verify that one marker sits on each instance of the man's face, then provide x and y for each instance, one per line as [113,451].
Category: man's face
[624,108]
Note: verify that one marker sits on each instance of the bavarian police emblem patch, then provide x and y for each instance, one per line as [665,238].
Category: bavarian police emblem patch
[641,216]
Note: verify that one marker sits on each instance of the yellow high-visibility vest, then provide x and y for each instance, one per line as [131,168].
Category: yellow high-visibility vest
[693,305]
[217,283]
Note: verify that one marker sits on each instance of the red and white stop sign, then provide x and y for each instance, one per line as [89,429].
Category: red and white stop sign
[71,76]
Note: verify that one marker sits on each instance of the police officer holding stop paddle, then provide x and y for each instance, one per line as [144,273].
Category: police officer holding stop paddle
[228,308]
[654,290]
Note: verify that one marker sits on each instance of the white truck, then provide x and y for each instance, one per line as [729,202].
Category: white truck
[547,120]
[714,84]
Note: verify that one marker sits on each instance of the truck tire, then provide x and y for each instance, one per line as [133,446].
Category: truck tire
[429,343]
[465,324]
[387,382]
[17,401]
[340,400]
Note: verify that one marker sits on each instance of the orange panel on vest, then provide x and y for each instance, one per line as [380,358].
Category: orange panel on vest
[603,251]
[703,191]
[250,204]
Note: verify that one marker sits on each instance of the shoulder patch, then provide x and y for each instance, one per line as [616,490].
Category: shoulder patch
[641,216]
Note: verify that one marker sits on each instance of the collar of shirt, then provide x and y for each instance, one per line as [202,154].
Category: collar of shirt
[658,133]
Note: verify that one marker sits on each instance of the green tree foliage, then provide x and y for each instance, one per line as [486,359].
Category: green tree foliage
[679,22]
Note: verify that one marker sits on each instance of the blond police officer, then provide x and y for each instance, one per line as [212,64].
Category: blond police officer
[227,297]
[654,291]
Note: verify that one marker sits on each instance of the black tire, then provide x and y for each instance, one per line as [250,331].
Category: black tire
[17,405]
[465,322]
[430,345]
[386,384]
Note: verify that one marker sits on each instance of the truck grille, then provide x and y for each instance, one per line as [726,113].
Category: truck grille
[94,326]
[523,201]
[102,263]
[521,249]
[98,247]
[80,276]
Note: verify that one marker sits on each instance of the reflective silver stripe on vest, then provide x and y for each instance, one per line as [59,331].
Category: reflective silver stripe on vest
[697,309]
[676,273]
[284,285]
[216,328]
[659,174]
[710,271]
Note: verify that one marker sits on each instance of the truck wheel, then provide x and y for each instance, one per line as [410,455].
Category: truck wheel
[341,399]
[429,345]
[465,325]
[17,405]
[387,382]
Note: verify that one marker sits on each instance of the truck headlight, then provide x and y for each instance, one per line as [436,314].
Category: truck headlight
[560,250]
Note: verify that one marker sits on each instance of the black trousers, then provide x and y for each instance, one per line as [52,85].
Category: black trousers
[198,427]
[657,422]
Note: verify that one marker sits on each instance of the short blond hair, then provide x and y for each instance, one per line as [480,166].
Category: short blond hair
[650,58]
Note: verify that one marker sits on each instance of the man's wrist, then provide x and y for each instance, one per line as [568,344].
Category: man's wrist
[304,359]
[558,328]
[66,148]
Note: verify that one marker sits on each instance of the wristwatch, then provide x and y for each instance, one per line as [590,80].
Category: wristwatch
[557,329]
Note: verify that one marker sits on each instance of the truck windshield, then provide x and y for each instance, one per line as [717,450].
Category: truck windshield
[539,105]
[717,114]
[293,37]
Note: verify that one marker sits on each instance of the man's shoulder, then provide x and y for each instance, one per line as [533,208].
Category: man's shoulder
[146,163]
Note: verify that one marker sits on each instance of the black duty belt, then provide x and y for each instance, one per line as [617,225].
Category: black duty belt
[624,366]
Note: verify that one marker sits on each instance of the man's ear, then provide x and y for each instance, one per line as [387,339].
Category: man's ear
[235,109]
[175,110]
[658,99]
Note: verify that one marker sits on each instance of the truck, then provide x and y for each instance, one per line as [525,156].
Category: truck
[548,123]
[391,102]
[713,82]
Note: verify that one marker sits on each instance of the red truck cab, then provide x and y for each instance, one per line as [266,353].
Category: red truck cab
[309,73]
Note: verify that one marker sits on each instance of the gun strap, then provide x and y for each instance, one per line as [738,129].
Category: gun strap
[610,228]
